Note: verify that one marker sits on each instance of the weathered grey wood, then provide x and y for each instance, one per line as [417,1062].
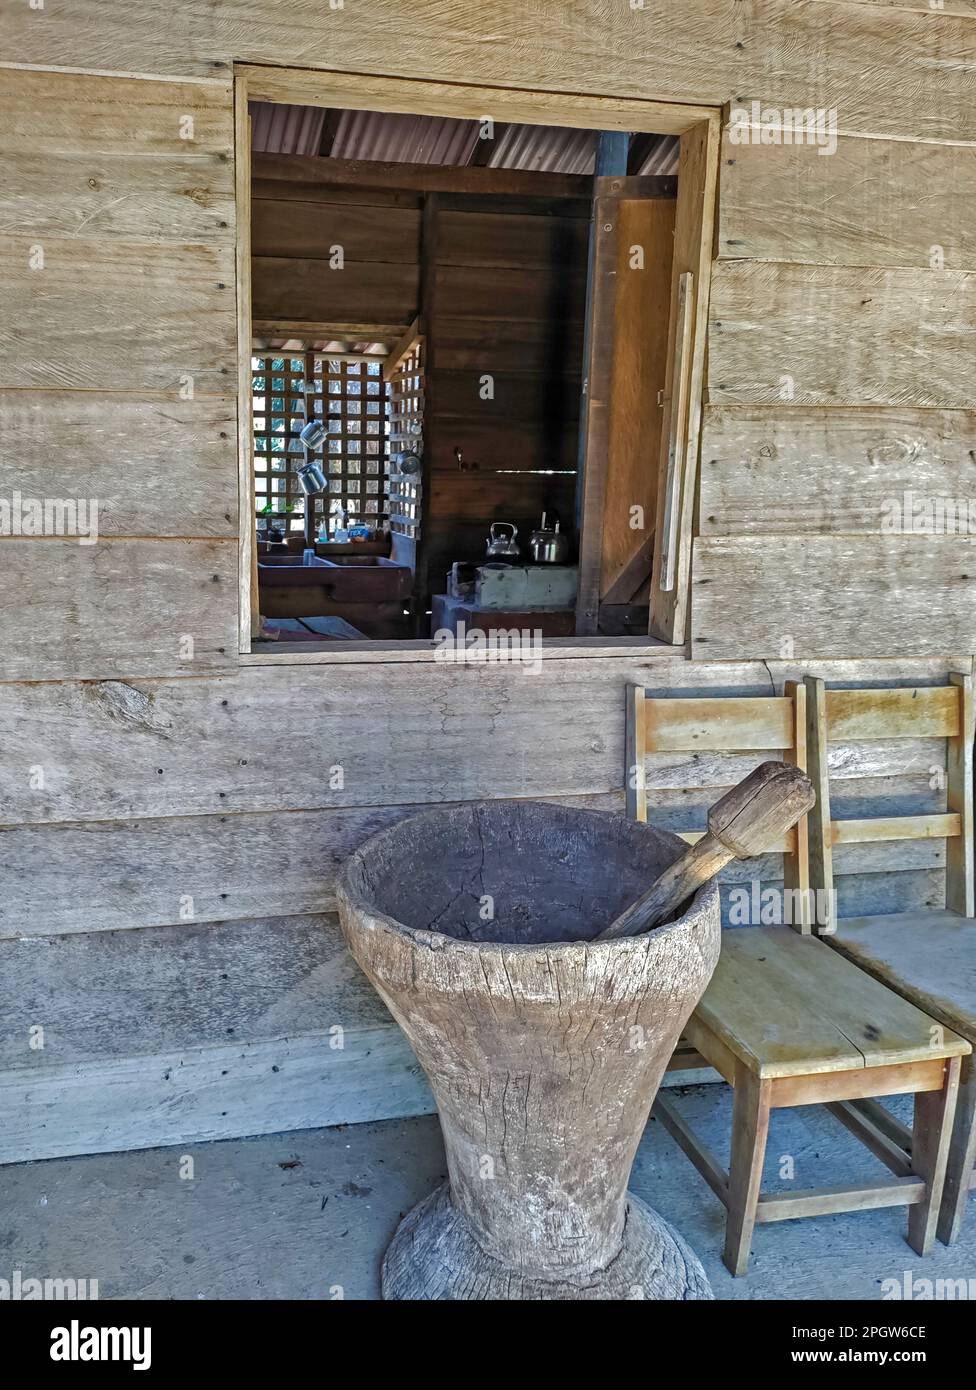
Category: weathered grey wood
[179,1034]
[228,745]
[841,596]
[142,873]
[897,892]
[158,467]
[834,335]
[879,759]
[885,69]
[119,608]
[782,470]
[927,955]
[140,161]
[119,316]
[870,202]
[482,994]
[190,869]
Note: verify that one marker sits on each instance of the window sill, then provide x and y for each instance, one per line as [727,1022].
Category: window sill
[412,652]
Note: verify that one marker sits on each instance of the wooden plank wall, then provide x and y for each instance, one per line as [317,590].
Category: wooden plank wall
[117,373]
[841,382]
[139,787]
[160,801]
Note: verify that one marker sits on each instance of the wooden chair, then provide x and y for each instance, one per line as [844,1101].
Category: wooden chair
[928,955]
[786,1021]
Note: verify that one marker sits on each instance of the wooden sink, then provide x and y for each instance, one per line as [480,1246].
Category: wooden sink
[345,579]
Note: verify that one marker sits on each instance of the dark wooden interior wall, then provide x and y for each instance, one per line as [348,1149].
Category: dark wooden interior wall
[296,226]
[505,326]
[501,282]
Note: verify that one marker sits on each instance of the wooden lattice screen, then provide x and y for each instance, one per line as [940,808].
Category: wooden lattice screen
[406,423]
[278,403]
[353,400]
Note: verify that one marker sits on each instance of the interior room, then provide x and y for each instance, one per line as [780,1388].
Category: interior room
[426,296]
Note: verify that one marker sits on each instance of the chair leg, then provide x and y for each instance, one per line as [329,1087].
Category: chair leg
[750,1128]
[931,1132]
[962,1156]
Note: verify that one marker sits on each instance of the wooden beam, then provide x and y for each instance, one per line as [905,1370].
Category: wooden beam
[611,153]
[249,616]
[861,1124]
[417,178]
[598,354]
[959,801]
[428,282]
[360,91]
[632,576]
[305,328]
[867,832]
[867,1196]
[913,712]
[402,349]
[693,237]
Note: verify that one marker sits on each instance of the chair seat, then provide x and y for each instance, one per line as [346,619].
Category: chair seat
[790,1005]
[929,956]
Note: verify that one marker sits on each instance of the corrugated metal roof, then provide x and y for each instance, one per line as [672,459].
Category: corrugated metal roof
[404,139]
[544,149]
[278,129]
[374,135]
[663,158]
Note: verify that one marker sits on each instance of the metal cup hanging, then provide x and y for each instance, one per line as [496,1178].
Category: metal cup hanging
[311,476]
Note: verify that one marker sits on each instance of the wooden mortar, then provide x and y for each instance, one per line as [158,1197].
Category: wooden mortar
[544,1049]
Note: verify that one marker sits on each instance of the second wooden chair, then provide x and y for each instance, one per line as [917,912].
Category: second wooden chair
[787,1021]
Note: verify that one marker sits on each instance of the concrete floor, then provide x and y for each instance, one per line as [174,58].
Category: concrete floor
[302,1215]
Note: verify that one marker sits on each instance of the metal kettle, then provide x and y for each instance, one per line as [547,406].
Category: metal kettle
[549,546]
[502,547]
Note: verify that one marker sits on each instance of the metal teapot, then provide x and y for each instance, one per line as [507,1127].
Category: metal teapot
[549,545]
[502,547]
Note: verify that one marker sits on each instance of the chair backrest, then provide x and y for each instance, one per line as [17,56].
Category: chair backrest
[850,716]
[764,724]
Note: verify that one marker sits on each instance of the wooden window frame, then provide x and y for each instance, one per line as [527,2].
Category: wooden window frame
[699,130]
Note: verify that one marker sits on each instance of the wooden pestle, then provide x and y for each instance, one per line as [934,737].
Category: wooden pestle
[747,820]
